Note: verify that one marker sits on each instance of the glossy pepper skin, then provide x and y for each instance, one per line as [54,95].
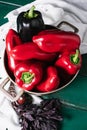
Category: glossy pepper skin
[51,81]
[12,40]
[31,51]
[70,62]
[57,41]
[50,31]
[29,23]
[28,74]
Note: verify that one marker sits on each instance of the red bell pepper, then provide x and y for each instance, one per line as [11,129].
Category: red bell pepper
[12,40]
[31,51]
[51,80]
[27,74]
[50,31]
[70,62]
[57,41]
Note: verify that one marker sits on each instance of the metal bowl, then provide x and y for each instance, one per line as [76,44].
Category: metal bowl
[11,78]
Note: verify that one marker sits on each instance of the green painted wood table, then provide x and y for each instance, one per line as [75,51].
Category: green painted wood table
[74,96]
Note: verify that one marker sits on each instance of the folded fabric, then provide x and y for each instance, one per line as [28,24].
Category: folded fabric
[53,12]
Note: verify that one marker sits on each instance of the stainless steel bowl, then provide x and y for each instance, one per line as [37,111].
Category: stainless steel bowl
[10,76]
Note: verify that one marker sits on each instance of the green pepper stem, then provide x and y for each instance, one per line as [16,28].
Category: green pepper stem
[31,14]
[27,77]
[75,57]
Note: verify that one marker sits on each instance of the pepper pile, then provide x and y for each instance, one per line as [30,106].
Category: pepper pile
[37,56]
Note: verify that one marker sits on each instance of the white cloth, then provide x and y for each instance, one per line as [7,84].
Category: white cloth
[53,12]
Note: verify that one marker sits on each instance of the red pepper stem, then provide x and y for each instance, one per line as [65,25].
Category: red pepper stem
[27,77]
[75,57]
